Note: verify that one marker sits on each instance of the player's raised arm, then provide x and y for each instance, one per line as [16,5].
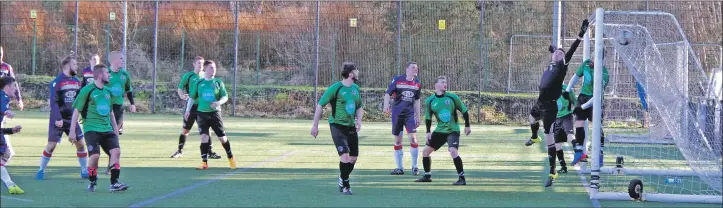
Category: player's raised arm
[573,47]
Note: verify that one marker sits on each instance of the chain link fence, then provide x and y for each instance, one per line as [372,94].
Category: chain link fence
[492,51]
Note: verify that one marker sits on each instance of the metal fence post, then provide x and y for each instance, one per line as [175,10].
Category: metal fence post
[75,30]
[35,38]
[481,54]
[155,57]
[183,47]
[125,33]
[316,54]
[107,44]
[399,37]
[235,57]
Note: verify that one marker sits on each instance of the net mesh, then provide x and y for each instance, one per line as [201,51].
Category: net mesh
[684,134]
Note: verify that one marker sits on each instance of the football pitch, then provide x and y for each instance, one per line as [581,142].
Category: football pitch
[280,165]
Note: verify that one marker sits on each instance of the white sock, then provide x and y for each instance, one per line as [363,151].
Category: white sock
[6,177]
[44,160]
[415,156]
[398,154]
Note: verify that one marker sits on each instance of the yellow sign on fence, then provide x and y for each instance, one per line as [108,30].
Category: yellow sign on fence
[442,24]
[352,22]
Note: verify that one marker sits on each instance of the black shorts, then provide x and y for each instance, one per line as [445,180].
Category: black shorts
[585,114]
[545,111]
[438,139]
[346,140]
[118,113]
[188,123]
[563,127]
[211,120]
[96,140]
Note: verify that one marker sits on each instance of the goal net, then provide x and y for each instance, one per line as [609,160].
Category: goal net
[677,156]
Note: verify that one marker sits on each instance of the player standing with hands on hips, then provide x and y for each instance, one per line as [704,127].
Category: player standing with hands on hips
[345,121]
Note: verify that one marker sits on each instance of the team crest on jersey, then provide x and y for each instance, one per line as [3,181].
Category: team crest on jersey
[353,92]
[446,102]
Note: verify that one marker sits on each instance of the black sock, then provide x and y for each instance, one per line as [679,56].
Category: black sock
[181,141]
[204,152]
[210,145]
[561,158]
[93,174]
[458,164]
[551,156]
[352,167]
[114,175]
[345,169]
[227,147]
[535,127]
[427,163]
[580,136]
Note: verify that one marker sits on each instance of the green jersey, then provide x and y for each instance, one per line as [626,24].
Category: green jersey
[563,104]
[345,101]
[586,72]
[119,83]
[186,80]
[444,108]
[204,92]
[98,110]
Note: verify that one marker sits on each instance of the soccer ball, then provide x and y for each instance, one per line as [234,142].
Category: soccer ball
[624,37]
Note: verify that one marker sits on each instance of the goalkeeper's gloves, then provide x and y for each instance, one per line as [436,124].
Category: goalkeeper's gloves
[566,95]
[583,28]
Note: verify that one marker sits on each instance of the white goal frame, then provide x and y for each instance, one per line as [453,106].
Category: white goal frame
[597,21]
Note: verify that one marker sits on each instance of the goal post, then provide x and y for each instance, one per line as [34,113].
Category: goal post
[687,168]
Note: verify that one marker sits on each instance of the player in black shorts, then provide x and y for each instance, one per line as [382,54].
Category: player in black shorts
[344,121]
[183,90]
[93,104]
[550,84]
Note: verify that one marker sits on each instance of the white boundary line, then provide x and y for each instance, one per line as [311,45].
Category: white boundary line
[206,182]
[19,199]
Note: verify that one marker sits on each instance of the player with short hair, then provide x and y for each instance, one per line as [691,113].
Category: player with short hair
[7,70]
[120,84]
[562,128]
[211,94]
[88,71]
[444,106]
[7,84]
[583,110]
[345,121]
[63,91]
[406,91]
[550,84]
[93,104]
[183,89]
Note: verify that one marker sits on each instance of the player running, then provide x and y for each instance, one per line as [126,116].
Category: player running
[562,129]
[406,90]
[183,89]
[583,110]
[7,70]
[7,83]
[63,91]
[93,104]
[210,93]
[444,106]
[546,108]
[345,121]
[88,71]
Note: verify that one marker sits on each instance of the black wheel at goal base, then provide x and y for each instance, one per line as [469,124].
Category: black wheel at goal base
[635,189]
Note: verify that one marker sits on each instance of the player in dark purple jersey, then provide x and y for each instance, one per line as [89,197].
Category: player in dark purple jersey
[88,71]
[7,70]
[405,91]
[7,87]
[63,91]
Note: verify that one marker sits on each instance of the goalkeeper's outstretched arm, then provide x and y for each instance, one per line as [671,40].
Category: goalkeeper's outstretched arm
[573,47]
